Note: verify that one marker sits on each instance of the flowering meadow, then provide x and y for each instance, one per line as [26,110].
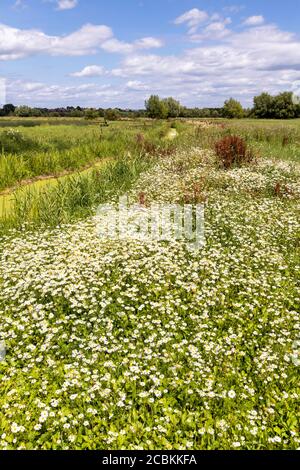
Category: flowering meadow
[125,344]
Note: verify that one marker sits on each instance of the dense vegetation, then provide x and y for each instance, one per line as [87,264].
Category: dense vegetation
[30,152]
[125,344]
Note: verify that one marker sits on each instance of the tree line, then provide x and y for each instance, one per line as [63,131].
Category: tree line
[266,106]
[70,112]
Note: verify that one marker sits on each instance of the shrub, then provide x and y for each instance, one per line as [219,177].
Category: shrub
[91,114]
[232,151]
[112,114]
[13,141]
[233,109]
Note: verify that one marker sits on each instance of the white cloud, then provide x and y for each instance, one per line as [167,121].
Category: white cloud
[18,43]
[148,43]
[136,85]
[42,94]
[225,62]
[66,4]
[89,39]
[240,64]
[90,71]
[193,18]
[254,20]
[215,30]
[115,46]
[213,26]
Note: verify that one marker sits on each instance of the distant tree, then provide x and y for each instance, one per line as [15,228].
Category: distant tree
[281,106]
[91,114]
[233,109]
[8,109]
[284,107]
[174,107]
[248,113]
[112,114]
[77,113]
[156,108]
[36,112]
[215,113]
[24,111]
[264,106]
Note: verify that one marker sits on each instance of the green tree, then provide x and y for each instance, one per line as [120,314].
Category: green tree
[263,106]
[24,111]
[281,106]
[233,109]
[91,114]
[173,106]
[156,108]
[8,109]
[284,107]
[111,114]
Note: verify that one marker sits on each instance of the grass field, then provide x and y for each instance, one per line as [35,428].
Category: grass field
[125,344]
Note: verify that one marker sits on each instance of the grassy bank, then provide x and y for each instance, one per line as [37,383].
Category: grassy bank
[36,188]
[67,199]
[50,150]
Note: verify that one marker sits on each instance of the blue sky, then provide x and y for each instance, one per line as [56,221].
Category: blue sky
[117,52]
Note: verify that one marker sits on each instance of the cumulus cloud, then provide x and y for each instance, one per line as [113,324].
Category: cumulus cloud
[212,26]
[193,18]
[115,46]
[214,30]
[18,43]
[219,62]
[148,43]
[88,94]
[254,20]
[89,39]
[239,64]
[137,85]
[66,4]
[90,71]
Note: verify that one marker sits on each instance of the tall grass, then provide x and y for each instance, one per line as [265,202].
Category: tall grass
[269,139]
[45,151]
[128,146]
[74,196]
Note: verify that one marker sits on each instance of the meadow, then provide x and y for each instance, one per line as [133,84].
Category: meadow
[125,344]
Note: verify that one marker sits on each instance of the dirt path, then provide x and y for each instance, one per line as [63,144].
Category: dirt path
[172,134]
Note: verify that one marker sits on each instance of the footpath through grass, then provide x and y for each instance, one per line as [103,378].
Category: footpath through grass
[27,153]
[128,147]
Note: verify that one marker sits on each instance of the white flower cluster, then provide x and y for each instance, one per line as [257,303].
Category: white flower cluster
[117,344]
